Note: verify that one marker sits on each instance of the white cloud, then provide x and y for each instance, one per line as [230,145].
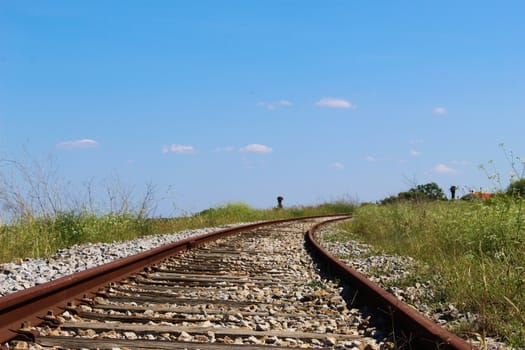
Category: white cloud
[338,165]
[273,105]
[256,148]
[84,143]
[330,102]
[370,158]
[415,153]
[174,148]
[443,169]
[440,111]
[224,149]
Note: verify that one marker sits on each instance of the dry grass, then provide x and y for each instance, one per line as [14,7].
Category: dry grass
[475,251]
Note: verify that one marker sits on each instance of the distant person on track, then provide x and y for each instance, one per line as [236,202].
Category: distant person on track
[453,192]
[280,202]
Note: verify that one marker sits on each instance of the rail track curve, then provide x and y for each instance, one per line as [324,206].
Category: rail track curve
[247,287]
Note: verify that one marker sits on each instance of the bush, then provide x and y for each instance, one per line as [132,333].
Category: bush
[427,192]
[68,227]
[517,188]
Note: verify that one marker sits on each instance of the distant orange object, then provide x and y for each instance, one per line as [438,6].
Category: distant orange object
[482,195]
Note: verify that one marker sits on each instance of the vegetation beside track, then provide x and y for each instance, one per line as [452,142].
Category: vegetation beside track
[40,212]
[33,237]
[472,250]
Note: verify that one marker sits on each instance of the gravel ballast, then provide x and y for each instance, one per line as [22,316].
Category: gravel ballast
[23,274]
[384,270]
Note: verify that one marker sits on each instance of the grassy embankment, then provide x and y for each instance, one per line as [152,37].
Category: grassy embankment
[32,237]
[473,251]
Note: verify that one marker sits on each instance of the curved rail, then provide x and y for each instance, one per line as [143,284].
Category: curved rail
[425,333]
[31,304]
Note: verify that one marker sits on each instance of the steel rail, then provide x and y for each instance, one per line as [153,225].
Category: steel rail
[425,334]
[30,305]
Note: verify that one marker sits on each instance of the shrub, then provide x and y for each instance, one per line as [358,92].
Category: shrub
[427,192]
[517,188]
[68,227]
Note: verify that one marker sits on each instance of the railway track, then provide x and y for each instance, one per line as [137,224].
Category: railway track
[256,287]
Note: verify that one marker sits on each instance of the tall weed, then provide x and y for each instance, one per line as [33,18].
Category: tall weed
[474,250]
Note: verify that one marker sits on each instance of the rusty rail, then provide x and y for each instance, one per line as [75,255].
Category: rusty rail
[425,334]
[31,304]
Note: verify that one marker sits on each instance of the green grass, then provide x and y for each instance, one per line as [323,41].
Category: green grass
[474,250]
[40,212]
[32,237]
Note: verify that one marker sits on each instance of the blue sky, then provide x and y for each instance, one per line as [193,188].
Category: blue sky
[220,101]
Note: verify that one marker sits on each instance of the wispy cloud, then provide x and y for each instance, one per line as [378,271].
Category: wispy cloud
[256,148]
[274,105]
[440,111]
[444,169]
[224,149]
[370,158]
[174,148]
[337,165]
[84,143]
[415,153]
[331,102]
[265,105]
